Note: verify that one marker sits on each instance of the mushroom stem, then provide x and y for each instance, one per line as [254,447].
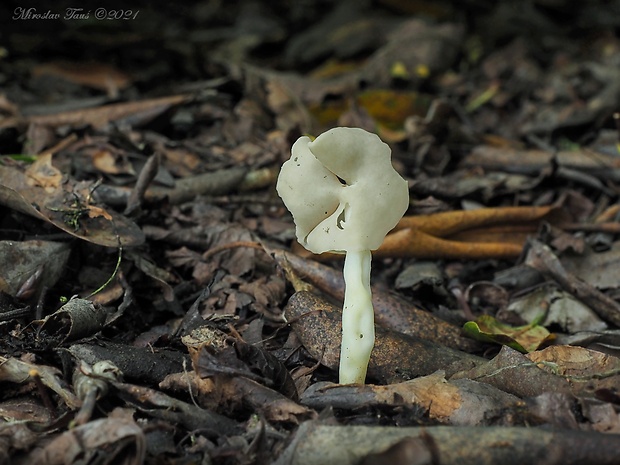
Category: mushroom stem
[358,319]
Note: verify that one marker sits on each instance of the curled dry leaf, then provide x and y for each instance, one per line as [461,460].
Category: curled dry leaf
[205,391]
[234,391]
[240,374]
[466,234]
[76,319]
[552,306]
[15,437]
[597,269]
[23,408]
[268,366]
[117,441]
[554,408]
[275,406]
[415,243]
[448,223]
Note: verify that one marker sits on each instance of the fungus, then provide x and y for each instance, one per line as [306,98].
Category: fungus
[345,196]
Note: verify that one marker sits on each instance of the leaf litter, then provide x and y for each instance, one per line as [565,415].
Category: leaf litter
[154,307]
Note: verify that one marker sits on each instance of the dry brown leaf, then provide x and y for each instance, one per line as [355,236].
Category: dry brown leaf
[418,244]
[513,372]
[534,161]
[466,234]
[586,370]
[459,402]
[96,75]
[26,259]
[17,371]
[541,258]
[100,116]
[447,223]
[160,405]
[110,163]
[67,205]
[43,174]
[114,438]
[94,212]
[463,234]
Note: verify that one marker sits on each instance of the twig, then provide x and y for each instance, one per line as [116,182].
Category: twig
[146,176]
[231,245]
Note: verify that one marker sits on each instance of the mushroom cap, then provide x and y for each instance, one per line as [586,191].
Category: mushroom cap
[342,191]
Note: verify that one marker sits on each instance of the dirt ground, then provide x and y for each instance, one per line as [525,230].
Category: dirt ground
[157,308]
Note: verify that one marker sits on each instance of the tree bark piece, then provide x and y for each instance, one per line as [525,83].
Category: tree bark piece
[391,311]
[395,357]
[317,444]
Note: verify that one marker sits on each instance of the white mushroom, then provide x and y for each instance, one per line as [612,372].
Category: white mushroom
[345,196]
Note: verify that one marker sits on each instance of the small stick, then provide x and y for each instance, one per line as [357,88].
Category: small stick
[47,401]
[231,245]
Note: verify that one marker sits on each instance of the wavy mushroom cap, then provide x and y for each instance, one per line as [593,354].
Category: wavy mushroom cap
[342,190]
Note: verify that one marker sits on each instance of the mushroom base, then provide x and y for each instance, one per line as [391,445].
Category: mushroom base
[358,319]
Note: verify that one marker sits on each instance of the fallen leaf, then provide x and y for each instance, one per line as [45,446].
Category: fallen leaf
[522,338]
[513,372]
[43,174]
[26,258]
[66,205]
[459,402]
[117,437]
[533,162]
[96,75]
[17,371]
[102,115]
[391,108]
[541,258]
[559,308]
[586,370]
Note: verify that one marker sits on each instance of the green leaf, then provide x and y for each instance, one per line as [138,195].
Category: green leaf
[525,339]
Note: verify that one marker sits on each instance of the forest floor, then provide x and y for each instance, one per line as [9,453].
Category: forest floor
[156,308]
